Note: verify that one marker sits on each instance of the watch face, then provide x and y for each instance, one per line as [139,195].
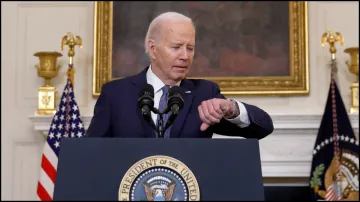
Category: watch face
[234,107]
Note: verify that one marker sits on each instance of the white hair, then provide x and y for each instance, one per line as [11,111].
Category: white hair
[155,26]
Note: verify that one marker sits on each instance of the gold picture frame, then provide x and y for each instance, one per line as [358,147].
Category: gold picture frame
[296,84]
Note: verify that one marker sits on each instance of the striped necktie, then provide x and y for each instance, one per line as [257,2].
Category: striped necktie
[162,107]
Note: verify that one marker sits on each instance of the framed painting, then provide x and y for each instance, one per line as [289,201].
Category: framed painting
[246,47]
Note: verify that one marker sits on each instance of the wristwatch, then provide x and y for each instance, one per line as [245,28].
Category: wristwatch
[234,110]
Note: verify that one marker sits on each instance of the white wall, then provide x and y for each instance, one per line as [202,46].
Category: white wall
[28,27]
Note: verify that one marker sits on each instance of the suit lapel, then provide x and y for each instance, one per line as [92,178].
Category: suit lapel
[139,80]
[178,124]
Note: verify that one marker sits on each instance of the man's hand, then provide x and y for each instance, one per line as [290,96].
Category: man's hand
[213,110]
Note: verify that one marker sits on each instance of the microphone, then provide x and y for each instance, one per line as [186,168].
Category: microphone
[175,104]
[146,102]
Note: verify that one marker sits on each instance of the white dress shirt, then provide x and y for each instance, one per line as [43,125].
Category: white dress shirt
[242,120]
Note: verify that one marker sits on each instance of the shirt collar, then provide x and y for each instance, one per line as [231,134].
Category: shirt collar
[153,80]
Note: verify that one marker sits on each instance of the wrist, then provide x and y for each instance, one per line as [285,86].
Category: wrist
[233,110]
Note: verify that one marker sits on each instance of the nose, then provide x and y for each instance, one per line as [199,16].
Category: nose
[184,55]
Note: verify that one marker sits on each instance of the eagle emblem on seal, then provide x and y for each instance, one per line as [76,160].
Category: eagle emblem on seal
[159,188]
[348,187]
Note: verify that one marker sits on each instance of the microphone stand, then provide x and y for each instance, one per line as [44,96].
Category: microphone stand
[159,127]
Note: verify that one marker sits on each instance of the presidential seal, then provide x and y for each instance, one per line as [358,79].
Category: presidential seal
[159,178]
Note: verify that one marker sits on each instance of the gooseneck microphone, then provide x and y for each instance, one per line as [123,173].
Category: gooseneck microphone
[146,102]
[175,104]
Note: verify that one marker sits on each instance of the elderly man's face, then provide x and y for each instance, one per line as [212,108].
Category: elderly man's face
[174,53]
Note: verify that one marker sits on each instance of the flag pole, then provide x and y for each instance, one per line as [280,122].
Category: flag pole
[71,42]
[330,38]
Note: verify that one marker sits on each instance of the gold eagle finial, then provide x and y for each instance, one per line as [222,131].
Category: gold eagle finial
[331,38]
[71,42]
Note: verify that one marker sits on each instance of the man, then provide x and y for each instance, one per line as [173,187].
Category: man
[170,44]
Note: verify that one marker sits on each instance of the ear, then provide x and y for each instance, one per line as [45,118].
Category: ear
[152,48]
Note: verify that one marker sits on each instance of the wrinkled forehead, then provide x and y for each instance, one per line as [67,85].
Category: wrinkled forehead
[179,31]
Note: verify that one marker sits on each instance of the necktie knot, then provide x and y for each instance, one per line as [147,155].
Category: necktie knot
[165,89]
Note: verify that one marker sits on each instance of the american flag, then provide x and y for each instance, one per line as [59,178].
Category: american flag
[65,123]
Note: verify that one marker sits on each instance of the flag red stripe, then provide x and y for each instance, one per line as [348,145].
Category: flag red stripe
[42,193]
[48,168]
[331,195]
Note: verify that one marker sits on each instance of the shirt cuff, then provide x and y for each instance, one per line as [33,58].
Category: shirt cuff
[243,119]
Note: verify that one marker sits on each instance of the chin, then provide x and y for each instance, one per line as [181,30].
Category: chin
[179,76]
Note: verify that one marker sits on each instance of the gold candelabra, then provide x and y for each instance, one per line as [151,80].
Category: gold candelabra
[353,66]
[47,69]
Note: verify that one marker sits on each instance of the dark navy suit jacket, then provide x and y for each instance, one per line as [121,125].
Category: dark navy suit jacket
[117,114]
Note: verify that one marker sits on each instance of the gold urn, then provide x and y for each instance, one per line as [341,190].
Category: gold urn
[353,66]
[47,69]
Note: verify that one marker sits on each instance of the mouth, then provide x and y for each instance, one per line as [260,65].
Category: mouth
[181,67]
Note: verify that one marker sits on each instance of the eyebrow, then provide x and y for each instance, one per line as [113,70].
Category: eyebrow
[179,43]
